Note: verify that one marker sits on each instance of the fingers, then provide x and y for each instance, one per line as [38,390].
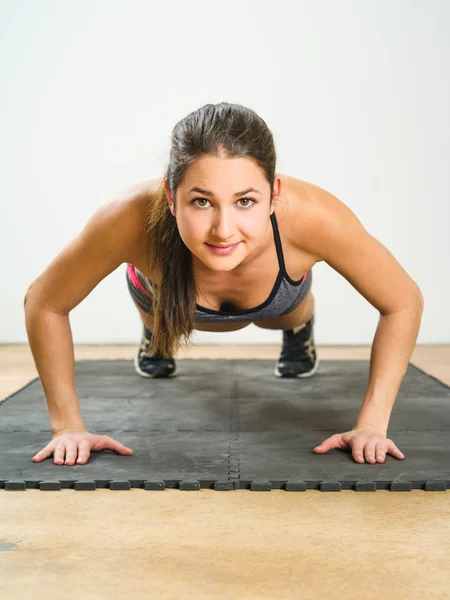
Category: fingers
[71,451]
[60,452]
[110,444]
[392,449]
[381,451]
[374,450]
[358,450]
[65,452]
[120,448]
[369,450]
[84,451]
[335,441]
[68,450]
[47,451]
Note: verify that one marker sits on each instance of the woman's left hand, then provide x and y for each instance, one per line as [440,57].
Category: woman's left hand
[365,442]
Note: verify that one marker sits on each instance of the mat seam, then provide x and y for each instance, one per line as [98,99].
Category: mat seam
[233,462]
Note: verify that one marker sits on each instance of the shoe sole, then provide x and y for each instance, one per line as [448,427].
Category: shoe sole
[144,374]
[300,375]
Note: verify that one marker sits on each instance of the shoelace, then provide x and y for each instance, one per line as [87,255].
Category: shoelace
[296,344]
[145,345]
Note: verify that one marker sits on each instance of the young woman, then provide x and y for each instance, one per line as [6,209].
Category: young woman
[219,242]
[226,265]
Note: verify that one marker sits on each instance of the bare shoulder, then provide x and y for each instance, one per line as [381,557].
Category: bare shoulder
[310,213]
[112,235]
[299,212]
[134,198]
[333,233]
[131,205]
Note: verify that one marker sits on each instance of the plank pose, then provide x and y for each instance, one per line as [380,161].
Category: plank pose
[220,241]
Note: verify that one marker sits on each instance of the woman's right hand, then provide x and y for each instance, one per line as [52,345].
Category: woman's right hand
[76,445]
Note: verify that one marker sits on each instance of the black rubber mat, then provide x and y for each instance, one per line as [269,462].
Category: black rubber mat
[229,424]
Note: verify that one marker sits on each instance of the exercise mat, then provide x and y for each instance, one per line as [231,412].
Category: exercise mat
[229,424]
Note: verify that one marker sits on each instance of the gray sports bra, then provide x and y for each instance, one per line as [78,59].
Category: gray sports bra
[286,294]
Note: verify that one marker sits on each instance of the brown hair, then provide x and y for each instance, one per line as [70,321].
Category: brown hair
[223,130]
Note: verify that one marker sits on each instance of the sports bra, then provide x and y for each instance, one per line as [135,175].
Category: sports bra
[286,294]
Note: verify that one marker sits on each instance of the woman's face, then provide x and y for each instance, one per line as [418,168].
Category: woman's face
[221,214]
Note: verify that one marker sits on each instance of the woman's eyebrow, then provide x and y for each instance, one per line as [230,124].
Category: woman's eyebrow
[207,193]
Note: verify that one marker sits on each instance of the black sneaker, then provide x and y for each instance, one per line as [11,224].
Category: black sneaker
[299,355]
[154,366]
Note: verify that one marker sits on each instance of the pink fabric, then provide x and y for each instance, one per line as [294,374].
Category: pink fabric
[135,280]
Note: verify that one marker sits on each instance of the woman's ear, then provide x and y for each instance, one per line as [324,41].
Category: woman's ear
[166,187]
[276,193]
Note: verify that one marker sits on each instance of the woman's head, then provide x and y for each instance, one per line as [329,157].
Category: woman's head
[222,149]
[222,201]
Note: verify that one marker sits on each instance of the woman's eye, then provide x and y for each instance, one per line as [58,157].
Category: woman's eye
[201,200]
[246,205]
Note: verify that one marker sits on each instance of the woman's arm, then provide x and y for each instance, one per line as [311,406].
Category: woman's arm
[50,339]
[341,241]
[108,240]
[392,348]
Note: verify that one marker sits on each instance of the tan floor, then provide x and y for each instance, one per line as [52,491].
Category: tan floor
[227,545]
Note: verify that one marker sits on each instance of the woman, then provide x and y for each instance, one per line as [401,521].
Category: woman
[228,256]
[219,242]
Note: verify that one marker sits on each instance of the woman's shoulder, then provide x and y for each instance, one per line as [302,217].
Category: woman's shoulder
[138,195]
[135,202]
[299,212]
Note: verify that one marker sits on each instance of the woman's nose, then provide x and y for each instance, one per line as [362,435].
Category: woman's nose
[224,226]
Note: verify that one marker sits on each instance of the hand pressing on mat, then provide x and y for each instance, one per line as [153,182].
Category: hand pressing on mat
[69,444]
[365,442]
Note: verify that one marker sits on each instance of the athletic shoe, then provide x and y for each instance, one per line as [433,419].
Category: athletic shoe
[154,366]
[299,355]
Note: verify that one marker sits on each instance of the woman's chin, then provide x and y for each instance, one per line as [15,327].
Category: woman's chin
[220,267]
[221,263]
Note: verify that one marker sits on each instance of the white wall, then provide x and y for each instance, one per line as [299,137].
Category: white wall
[356,93]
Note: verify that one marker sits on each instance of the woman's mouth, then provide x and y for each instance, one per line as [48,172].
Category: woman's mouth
[223,249]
